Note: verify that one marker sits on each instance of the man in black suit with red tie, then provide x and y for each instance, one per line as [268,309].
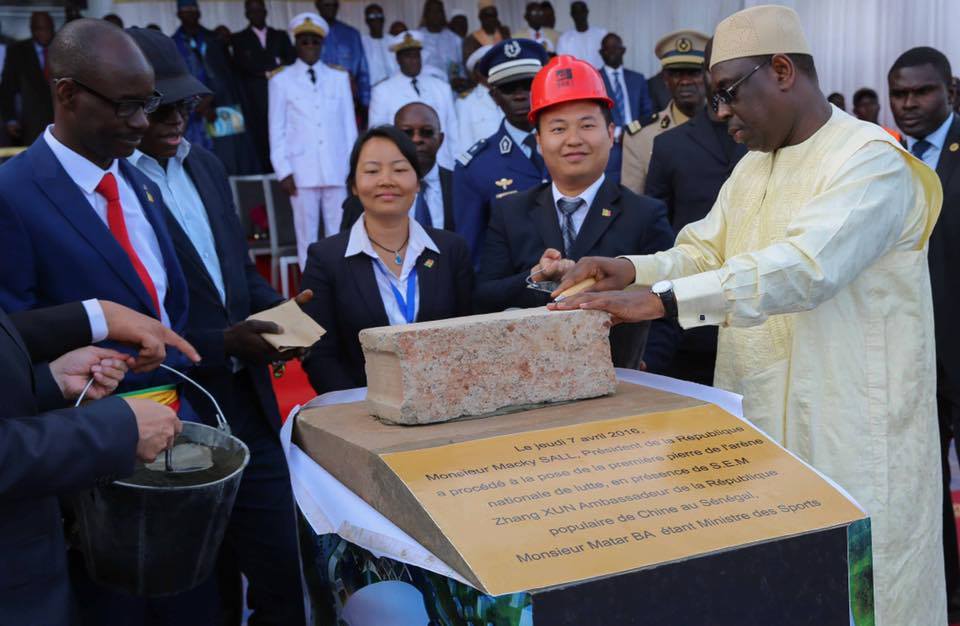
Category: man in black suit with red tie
[920,88]
[257,51]
[27,74]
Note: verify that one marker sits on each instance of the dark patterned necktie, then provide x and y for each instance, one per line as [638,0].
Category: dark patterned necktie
[920,148]
[567,209]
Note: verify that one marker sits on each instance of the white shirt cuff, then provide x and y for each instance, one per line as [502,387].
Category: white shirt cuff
[700,300]
[98,321]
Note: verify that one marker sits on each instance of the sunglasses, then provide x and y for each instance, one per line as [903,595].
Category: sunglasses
[513,87]
[374,16]
[426,133]
[728,94]
[125,108]
[184,107]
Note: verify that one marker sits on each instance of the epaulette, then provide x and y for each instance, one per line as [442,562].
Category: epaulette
[464,94]
[465,158]
[634,127]
[665,123]
[337,67]
[276,71]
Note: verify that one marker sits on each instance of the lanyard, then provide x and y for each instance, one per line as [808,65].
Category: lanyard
[408,305]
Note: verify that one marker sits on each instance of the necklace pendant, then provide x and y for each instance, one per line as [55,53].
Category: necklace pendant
[398,259]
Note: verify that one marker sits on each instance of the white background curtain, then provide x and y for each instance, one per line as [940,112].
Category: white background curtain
[854,41]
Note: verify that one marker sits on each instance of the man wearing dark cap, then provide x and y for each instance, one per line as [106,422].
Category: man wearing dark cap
[225,288]
[508,161]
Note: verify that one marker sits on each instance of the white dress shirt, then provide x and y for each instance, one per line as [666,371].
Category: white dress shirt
[444,51]
[392,94]
[587,196]
[479,117]
[616,76]
[359,243]
[97,319]
[585,45]
[261,34]
[87,176]
[381,63]
[434,197]
[937,138]
[185,204]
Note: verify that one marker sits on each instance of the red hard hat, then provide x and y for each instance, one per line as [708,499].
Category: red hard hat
[565,79]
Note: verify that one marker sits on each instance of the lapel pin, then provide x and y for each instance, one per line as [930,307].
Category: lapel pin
[954,147]
[606,212]
[428,263]
[503,183]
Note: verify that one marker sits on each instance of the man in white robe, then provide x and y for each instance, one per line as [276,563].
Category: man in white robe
[813,262]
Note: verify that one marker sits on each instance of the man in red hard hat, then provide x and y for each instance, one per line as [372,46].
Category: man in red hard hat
[537,234]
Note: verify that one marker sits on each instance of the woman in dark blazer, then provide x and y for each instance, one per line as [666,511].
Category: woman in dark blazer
[387,269]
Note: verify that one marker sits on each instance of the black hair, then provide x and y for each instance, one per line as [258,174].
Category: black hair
[925,55]
[391,133]
[606,111]
[864,92]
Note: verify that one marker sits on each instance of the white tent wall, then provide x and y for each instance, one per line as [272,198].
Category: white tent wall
[854,41]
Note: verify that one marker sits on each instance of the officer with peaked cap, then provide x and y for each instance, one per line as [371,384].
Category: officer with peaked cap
[312,125]
[508,161]
[681,55]
[415,83]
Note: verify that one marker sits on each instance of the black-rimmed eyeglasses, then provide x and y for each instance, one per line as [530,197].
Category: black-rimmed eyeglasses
[727,94]
[123,108]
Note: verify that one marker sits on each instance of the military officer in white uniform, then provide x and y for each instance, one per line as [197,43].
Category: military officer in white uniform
[681,55]
[313,125]
[479,115]
[412,84]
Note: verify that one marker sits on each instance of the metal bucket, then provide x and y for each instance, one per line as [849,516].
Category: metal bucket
[161,539]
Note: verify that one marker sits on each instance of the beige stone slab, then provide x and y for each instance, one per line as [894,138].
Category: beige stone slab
[484,364]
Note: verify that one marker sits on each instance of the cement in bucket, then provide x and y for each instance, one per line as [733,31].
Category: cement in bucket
[158,533]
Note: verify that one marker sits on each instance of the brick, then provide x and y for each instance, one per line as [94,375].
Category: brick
[484,364]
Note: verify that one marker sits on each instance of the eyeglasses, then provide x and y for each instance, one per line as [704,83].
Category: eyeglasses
[513,87]
[426,133]
[727,95]
[374,16]
[122,108]
[184,107]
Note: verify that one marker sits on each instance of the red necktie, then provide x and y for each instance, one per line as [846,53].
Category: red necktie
[118,226]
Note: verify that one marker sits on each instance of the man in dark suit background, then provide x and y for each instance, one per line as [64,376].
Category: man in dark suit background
[628,90]
[257,51]
[47,450]
[26,74]
[434,204]
[688,166]
[538,233]
[920,88]
[225,288]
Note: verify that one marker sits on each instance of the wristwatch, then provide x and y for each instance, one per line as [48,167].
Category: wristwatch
[664,290]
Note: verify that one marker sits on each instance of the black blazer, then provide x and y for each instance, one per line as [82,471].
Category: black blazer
[46,454]
[352,209]
[22,76]
[246,292]
[688,166]
[944,255]
[346,300]
[524,224]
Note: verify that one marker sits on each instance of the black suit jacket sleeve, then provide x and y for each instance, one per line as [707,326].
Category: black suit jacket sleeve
[658,184]
[66,450]
[499,285]
[53,331]
[323,364]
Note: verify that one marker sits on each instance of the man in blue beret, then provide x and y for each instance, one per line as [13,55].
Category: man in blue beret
[508,161]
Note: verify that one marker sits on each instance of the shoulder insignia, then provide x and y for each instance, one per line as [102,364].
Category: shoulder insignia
[276,71]
[665,122]
[333,66]
[464,94]
[634,127]
[465,158]
[506,144]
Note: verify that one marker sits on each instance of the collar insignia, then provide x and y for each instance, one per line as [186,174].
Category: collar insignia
[505,144]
